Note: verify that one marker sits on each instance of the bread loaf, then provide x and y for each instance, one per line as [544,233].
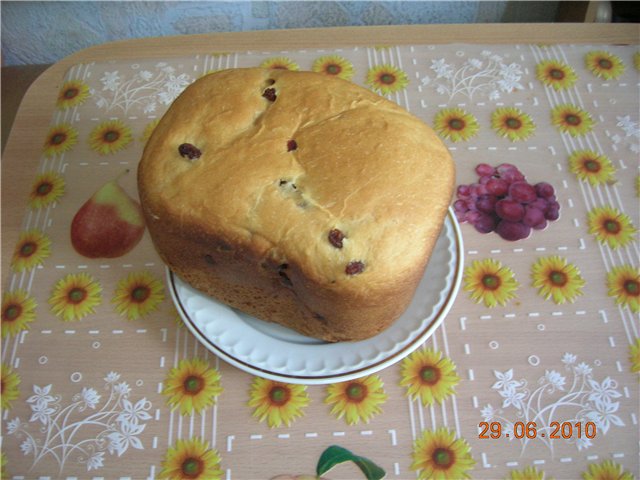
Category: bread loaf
[298,198]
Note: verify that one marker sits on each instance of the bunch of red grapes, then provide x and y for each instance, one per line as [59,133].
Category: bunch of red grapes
[503,201]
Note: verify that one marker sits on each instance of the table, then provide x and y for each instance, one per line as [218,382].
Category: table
[89,396]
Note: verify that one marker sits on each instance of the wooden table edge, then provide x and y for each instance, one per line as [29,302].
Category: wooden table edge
[22,153]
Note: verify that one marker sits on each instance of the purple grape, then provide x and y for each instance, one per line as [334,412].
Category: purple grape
[532,216]
[485,223]
[512,231]
[509,210]
[476,190]
[509,172]
[484,179]
[544,190]
[553,211]
[486,203]
[522,192]
[540,226]
[497,187]
[540,203]
[472,216]
[463,191]
[460,206]
[484,169]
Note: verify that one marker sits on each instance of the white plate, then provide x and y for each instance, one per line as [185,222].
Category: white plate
[271,351]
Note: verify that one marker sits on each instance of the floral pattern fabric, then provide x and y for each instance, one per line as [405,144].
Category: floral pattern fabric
[100,377]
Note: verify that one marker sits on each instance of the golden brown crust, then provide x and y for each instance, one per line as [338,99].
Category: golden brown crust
[248,221]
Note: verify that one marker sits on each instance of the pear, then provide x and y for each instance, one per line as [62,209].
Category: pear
[109,224]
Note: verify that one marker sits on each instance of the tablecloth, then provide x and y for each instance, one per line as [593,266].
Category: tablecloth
[100,382]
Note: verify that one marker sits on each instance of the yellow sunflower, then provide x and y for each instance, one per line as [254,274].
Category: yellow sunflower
[529,473]
[512,123]
[192,386]
[72,94]
[110,136]
[18,311]
[9,386]
[75,296]
[32,248]
[610,226]
[438,455]
[137,295]
[356,400]
[47,189]
[624,286]
[148,130]
[556,74]
[592,167]
[386,79]
[191,459]
[428,374]
[455,124]
[280,63]
[572,120]
[634,356]
[607,470]
[277,402]
[334,65]
[555,278]
[604,64]
[60,139]
[636,60]
[490,282]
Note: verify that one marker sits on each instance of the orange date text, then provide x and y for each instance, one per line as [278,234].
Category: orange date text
[555,430]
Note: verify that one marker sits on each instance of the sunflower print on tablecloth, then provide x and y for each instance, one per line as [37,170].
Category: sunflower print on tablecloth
[557,279]
[623,284]
[429,375]
[455,124]
[148,130]
[572,120]
[32,249]
[512,123]
[634,355]
[386,79]
[18,311]
[192,459]
[592,167]
[528,473]
[75,296]
[47,189]
[110,137]
[636,60]
[604,65]
[556,74]
[60,139]
[610,226]
[490,282]
[276,402]
[333,65]
[439,455]
[192,386]
[356,400]
[607,470]
[280,63]
[9,386]
[72,94]
[137,295]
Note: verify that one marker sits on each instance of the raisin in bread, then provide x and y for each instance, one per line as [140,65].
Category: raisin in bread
[296,197]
